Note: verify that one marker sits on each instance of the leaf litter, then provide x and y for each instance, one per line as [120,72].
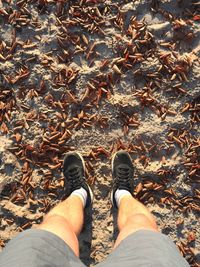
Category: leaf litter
[100,76]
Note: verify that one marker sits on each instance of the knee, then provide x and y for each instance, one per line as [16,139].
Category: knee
[54,218]
[59,226]
[54,221]
[135,223]
[141,220]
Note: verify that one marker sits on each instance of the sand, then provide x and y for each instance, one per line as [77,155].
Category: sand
[97,77]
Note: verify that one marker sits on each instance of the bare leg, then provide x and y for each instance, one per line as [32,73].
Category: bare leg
[66,221]
[133,216]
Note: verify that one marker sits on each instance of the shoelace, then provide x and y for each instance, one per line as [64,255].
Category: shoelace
[123,176]
[75,178]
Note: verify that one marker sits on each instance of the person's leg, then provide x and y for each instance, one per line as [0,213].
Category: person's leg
[54,242]
[139,242]
[66,221]
[133,216]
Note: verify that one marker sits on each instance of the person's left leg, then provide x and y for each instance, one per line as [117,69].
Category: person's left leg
[66,221]
[54,242]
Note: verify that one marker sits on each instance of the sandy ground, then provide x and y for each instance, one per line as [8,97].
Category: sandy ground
[97,77]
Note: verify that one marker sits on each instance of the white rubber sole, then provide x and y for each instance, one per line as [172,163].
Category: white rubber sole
[111,193]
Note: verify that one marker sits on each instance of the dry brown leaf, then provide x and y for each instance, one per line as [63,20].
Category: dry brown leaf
[18,137]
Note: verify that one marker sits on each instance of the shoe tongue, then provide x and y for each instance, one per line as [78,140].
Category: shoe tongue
[72,167]
[123,166]
[70,170]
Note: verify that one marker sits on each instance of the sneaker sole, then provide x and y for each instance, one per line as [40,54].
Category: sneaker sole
[84,168]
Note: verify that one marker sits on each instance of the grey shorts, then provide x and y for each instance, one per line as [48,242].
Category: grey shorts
[39,248]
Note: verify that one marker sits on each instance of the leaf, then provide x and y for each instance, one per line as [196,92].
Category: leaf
[70,97]
[53,167]
[18,137]
[116,69]
[81,114]
[4,128]
[191,237]
[197,17]
[138,188]
[26,166]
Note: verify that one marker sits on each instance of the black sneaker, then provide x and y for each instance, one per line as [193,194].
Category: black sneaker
[74,173]
[122,173]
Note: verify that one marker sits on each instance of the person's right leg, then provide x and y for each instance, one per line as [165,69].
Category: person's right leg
[139,242]
[133,216]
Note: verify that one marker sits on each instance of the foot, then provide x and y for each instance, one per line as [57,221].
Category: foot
[122,173]
[74,173]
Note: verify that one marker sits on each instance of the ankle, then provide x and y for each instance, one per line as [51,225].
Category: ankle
[121,194]
[82,194]
[128,199]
